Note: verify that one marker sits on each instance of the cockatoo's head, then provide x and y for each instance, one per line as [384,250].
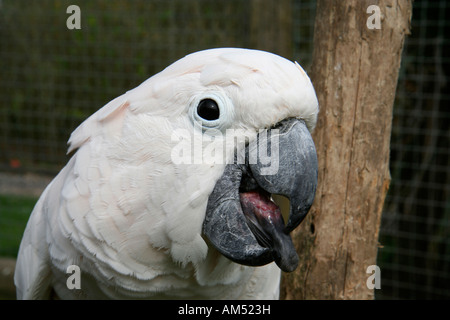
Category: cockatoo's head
[271,102]
[238,123]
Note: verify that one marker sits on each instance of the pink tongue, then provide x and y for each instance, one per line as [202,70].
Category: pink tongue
[266,223]
[258,205]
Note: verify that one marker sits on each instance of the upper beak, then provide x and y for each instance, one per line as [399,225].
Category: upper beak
[296,177]
[241,221]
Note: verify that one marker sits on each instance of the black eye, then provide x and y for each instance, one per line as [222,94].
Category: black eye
[208,109]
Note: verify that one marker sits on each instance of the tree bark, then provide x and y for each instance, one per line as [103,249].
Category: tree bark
[354,72]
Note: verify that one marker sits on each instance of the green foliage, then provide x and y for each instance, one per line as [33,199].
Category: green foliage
[14,213]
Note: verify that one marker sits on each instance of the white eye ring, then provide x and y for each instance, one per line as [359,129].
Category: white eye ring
[226,111]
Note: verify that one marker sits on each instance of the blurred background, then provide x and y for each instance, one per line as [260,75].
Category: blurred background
[52,78]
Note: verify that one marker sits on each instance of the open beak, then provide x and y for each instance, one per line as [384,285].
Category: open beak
[242,222]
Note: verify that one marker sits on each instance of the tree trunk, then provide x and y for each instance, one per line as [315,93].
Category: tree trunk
[354,72]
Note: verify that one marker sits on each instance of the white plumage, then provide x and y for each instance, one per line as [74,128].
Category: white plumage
[130,217]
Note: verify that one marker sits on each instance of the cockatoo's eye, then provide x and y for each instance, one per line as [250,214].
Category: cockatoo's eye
[211,110]
[208,110]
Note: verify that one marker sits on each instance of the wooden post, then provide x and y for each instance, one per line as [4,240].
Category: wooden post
[354,72]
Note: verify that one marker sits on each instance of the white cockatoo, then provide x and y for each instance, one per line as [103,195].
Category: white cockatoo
[168,194]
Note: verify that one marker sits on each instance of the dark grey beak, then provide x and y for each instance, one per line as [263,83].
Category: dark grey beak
[241,221]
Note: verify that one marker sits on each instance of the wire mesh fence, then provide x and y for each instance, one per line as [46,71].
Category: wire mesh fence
[52,78]
[415,231]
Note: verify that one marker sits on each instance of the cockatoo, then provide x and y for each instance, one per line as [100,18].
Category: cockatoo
[168,194]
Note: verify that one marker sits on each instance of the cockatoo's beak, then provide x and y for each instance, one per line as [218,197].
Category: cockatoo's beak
[241,221]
